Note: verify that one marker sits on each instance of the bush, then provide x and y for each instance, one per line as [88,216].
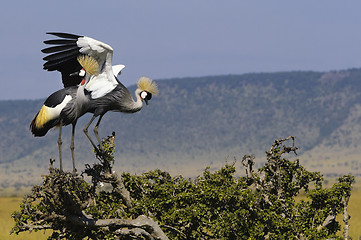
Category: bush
[216,205]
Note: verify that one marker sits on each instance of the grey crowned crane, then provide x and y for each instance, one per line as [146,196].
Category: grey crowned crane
[98,92]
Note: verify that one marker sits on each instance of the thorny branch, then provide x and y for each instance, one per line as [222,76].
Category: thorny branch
[271,180]
[281,148]
[274,157]
[331,217]
[103,171]
[64,198]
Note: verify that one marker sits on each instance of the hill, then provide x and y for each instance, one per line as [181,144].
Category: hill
[199,122]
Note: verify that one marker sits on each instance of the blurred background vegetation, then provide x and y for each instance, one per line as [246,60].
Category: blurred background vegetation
[199,122]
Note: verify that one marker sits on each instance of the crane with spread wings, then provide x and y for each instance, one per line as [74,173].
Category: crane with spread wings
[90,86]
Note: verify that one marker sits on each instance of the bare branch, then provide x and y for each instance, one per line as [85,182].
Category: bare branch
[118,187]
[346,217]
[134,233]
[278,144]
[141,222]
[327,221]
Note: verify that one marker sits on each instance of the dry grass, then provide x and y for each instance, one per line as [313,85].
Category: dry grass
[7,206]
[354,209]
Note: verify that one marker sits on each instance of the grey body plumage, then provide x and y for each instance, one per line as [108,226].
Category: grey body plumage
[118,100]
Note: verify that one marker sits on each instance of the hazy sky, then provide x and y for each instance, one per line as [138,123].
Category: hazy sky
[166,39]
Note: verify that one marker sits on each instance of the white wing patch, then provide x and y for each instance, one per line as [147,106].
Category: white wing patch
[55,111]
[100,85]
[88,45]
[98,50]
[105,82]
[117,69]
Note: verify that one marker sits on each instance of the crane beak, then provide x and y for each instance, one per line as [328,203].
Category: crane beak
[146,101]
[74,74]
[80,73]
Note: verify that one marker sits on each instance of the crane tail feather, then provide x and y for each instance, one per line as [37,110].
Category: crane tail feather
[41,123]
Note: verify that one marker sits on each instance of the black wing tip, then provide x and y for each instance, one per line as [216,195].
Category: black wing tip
[60,48]
[64,35]
[62,55]
[61,42]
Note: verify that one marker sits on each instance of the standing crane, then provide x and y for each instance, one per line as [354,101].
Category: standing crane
[98,92]
[65,106]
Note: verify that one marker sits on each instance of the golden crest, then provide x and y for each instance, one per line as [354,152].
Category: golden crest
[89,64]
[147,84]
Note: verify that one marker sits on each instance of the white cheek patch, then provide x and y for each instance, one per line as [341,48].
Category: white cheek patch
[82,73]
[143,95]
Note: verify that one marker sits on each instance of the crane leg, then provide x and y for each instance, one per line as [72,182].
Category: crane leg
[87,134]
[59,145]
[72,146]
[96,132]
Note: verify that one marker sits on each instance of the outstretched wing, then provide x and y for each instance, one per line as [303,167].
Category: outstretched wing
[63,55]
[117,69]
